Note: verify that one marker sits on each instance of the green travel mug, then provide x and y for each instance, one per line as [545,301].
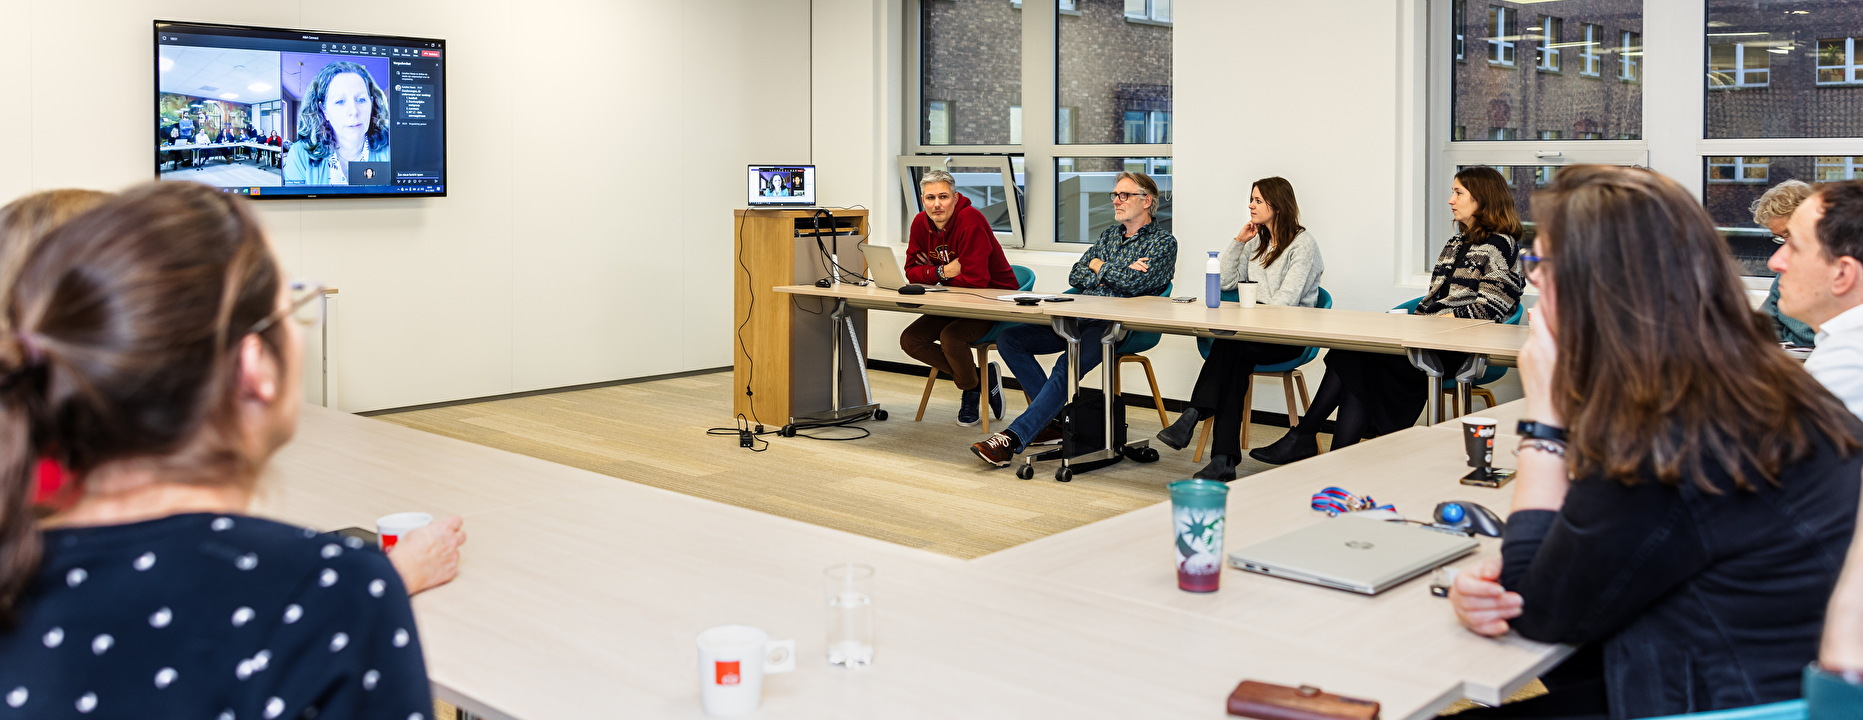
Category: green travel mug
[1197,511]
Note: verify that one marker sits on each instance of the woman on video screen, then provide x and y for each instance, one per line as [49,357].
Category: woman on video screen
[344,119]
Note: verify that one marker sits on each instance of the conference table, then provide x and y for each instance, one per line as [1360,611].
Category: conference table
[1425,339]
[193,149]
[579,592]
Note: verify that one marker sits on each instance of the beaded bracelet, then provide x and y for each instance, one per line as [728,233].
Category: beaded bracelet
[1550,447]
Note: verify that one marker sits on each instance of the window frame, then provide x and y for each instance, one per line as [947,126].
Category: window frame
[1629,56]
[1590,60]
[1551,29]
[1851,67]
[1740,69]
[1044,120]
[1502,50]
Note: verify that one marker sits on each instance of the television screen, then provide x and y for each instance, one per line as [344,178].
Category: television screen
[275,113]
[782,185]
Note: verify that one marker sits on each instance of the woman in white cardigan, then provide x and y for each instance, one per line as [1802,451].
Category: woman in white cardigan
[1274,251]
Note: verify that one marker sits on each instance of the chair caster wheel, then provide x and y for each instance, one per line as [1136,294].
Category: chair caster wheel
[1143,455]
[1025,472]
[787,431]
[1064,474]
[879,414]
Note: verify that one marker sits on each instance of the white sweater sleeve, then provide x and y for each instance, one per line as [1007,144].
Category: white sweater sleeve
[1298,274]
[1234,261]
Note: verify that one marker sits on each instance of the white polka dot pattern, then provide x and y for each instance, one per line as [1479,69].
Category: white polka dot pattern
[222,525]
[76,577]
[247,561]
[242,616]
[332,550]
[87,702]
[19,695]
[224,715]
[293,612]
[102,643]
[376,587]
[145,561]
[401,637]
[353,543]
[339,641]
[415,716]
[243,670]
[54,637]
[328,577]
[161,618]
[369,679]
[165,677]
[274,707]
[261,660]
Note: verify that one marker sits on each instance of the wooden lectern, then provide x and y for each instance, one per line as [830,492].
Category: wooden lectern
[781,358]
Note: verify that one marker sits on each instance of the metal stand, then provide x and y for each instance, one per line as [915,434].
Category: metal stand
[838,412]
[1431,363]
[1140,451]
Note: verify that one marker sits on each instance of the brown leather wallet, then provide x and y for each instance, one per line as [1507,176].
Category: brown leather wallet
[1268,701]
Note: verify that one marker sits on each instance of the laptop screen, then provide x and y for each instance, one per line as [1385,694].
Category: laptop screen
[781,185]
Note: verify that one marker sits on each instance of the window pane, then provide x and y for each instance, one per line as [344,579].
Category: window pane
[970,59]
[1514,83]
[1107,69]
[984,187]
[1784,70]
[1083,205]
[1733,183]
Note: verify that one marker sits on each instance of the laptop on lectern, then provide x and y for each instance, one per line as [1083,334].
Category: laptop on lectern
[782,186]
[1361,555]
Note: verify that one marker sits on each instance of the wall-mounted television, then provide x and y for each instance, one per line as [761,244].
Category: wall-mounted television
[279,113]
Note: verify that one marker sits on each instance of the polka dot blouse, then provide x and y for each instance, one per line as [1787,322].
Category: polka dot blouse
[212,617]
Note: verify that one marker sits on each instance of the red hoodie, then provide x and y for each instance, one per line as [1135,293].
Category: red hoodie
[968,239]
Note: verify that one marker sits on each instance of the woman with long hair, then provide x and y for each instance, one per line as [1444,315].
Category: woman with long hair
[1476,276]
[1275,251]
[343,120]
[1685,491]
[151,349]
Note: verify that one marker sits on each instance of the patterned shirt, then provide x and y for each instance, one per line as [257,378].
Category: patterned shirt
[1116,277]
[1475,279]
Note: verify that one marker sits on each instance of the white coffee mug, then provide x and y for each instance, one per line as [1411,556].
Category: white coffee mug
[1245,292]
[732,662]
[390,528]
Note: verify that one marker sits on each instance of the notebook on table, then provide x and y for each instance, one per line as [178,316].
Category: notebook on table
[1360,555]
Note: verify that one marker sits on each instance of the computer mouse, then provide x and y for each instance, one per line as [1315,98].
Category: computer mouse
[1469,517]
[1028,301]
[1386,514]
[912,290]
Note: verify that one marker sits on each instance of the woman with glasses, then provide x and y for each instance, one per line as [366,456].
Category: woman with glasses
[1275,251]
[147,350]
[1475,277]
[1685,492]
[1771,211]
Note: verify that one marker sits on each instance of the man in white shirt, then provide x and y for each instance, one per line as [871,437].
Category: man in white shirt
[1820,270]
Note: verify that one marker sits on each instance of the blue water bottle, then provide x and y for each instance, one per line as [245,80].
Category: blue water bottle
[1213,282]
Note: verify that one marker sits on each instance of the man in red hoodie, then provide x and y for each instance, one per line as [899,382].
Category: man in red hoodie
[952,244]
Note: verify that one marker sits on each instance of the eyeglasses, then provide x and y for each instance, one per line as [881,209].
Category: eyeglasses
[304,308]
[1125,196]
[1778,239]
[1529,261]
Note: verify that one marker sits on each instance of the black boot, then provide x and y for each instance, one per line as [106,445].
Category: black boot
[1221,467]
[1292,447]
[1179,433]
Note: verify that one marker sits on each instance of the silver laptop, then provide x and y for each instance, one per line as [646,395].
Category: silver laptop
[1356,554]
[883,266]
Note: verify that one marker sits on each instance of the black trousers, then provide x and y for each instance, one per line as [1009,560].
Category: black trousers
[1574,691]
[1224,381]
[1375,394]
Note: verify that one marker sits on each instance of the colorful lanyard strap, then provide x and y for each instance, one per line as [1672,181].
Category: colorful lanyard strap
[1334,501]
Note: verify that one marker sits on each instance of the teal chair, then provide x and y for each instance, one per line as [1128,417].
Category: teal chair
[1494,373]
[1129,350]
[1288,372]
[1025,281]
[1787,710]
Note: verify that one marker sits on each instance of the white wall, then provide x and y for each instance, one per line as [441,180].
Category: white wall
[596,150]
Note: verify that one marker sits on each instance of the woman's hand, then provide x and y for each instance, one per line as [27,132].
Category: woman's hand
[429,557]
[1247,234]
[1480,603]
[1538,357]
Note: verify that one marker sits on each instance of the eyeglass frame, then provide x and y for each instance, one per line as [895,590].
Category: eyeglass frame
[312,291]
[1128,196]
[1528,260]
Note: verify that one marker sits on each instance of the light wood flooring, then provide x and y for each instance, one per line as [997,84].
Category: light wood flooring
[915,484]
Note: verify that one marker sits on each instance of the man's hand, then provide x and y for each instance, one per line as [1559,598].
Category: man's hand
[429,557]
[1095,264]
[952,269]
[1481,604]
[1141,264]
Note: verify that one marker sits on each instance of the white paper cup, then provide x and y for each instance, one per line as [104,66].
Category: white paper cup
[1245,292]
[390,528]
[732,662]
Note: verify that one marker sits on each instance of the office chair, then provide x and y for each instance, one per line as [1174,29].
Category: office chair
[1493,374]
[1288,372]
[1025,281]
[1787,710]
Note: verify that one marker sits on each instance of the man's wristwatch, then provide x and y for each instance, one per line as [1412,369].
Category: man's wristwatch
[1540,431]
[939,271]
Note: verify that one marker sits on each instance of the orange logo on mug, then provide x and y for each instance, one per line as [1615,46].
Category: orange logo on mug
[726,672]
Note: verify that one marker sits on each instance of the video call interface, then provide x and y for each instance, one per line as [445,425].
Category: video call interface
[288,113]
[782,185]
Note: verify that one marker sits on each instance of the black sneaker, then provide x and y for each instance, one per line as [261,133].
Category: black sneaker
[967,408]
[997,449]
[1221,467]
[996,392]
[1178,435]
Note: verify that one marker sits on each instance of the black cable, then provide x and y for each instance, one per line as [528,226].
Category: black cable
[750,364]
[743,431]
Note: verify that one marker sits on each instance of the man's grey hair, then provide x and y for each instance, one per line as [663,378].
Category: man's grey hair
[936,176]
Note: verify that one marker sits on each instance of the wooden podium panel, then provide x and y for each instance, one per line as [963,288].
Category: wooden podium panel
[775,247]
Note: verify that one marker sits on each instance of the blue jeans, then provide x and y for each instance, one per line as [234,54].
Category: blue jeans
[1047,392]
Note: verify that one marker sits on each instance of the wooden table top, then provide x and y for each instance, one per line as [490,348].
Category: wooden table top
[1342,329]
[979,304]
[580,592]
